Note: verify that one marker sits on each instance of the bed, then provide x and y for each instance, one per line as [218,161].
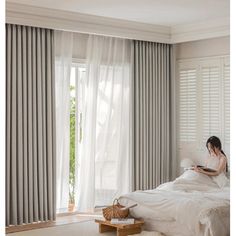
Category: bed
[193,204]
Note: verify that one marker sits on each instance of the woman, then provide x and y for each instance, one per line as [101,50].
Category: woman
[217,159]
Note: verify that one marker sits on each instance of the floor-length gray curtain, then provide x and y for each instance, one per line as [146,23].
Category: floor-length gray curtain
[152,130]
[30,126]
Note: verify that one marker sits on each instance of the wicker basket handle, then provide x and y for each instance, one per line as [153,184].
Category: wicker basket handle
[116,201]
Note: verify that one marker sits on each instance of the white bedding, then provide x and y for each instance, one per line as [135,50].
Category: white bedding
[193,204]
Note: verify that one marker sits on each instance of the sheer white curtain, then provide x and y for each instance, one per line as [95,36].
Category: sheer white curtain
[63,53]
[104,158]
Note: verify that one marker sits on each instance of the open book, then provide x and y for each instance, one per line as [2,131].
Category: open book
[202,167]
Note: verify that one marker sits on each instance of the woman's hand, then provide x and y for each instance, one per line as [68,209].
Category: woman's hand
[199,170]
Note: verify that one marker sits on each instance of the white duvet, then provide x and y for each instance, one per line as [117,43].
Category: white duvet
[193,204]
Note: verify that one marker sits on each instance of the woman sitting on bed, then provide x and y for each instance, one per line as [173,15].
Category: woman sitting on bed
[217,159]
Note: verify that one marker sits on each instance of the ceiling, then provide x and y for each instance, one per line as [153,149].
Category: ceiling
[159,12]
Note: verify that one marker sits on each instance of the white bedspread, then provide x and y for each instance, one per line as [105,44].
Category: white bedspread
[193,202]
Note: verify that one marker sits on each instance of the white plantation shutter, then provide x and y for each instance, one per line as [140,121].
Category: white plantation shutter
[204,105]
[188,105]
[226,104]
[211,98]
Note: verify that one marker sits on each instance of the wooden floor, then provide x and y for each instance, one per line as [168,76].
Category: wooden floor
[62,219]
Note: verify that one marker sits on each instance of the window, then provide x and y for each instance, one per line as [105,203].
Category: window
[76,97]
[204,103]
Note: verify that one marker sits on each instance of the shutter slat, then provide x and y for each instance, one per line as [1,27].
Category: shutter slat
[188,104]
[210,79]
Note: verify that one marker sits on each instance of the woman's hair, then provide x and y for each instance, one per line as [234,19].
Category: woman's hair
[216,143]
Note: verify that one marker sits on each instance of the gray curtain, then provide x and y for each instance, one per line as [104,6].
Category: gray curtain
[153,156]
[30,125]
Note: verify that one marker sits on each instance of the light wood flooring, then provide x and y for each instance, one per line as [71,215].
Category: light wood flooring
[62,219]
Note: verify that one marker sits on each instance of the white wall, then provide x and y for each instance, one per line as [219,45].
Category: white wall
[203,48]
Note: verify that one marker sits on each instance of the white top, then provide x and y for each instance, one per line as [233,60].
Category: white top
[213,162]
[221,179]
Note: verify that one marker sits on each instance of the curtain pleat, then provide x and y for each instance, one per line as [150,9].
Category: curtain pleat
[152,110]
[30,118]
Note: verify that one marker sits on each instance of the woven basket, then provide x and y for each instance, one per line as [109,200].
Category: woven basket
[115,211]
